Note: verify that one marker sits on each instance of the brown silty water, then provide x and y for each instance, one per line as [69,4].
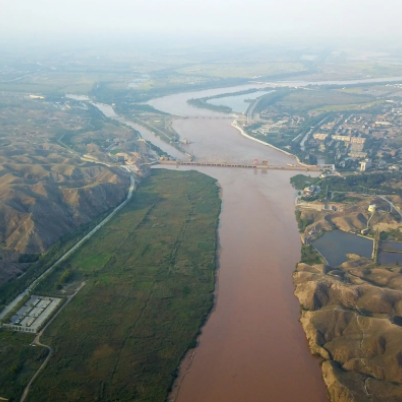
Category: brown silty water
[252,347]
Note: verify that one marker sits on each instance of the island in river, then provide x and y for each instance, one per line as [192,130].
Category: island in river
[248,350]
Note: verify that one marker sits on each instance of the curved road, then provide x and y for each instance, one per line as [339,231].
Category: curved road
[391,205]
[37,342]
[67,254]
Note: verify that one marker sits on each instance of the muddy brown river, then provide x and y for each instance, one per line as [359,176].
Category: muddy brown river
[252,348]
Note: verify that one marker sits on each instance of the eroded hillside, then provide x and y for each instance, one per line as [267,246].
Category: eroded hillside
[45,193]
[352,316]
[46,188]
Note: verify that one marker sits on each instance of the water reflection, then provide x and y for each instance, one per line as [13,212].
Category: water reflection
[388,258]
[335,245]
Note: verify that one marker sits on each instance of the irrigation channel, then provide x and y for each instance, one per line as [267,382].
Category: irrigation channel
[252,347]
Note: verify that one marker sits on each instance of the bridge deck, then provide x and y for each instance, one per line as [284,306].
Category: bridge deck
[210,117]
[245,166]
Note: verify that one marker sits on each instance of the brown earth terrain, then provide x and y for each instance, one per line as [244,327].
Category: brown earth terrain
[348,216]
[9,270]
[48,192]
[352,317]
[46,188]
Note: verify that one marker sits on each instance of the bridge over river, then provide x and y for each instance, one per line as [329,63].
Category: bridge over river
[310,168]
[217,117]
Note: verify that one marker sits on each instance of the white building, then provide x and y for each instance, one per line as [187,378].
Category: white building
[364,165]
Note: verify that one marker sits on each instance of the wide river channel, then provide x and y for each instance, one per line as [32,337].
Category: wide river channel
[252,348]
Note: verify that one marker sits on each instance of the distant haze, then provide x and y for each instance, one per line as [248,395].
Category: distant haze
[260,19]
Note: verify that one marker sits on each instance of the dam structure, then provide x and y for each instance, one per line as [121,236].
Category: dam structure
[309,168]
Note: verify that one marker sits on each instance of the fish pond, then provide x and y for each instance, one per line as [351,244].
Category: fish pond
[389,258]
[335,246]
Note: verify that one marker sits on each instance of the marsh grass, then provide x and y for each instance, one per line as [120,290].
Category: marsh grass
[150,281]
[18,363]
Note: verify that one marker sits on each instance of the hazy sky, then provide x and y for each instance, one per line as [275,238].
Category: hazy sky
[265,18]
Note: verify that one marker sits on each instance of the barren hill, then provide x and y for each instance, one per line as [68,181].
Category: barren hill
[50,192]
[47,190]
[352,318]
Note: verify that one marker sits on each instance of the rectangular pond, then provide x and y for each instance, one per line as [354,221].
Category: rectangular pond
[387,258]
[335,245]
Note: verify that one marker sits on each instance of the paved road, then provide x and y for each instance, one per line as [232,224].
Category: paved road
[14,303]
[250,110]
[308,134]
[37,342]
[391,204]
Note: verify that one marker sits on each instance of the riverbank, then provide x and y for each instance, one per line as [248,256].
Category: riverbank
[143,305]
[350,304]
[146,131]
[244,134]
[247,351]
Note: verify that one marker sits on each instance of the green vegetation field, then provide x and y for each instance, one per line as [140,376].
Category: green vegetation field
[374,183]
[319,100]
[309,255]
[242,70]
[18,363]
[149,287]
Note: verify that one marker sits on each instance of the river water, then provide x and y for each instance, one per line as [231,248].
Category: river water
[345,82]
[148,135]
[252,348]
[211,134]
